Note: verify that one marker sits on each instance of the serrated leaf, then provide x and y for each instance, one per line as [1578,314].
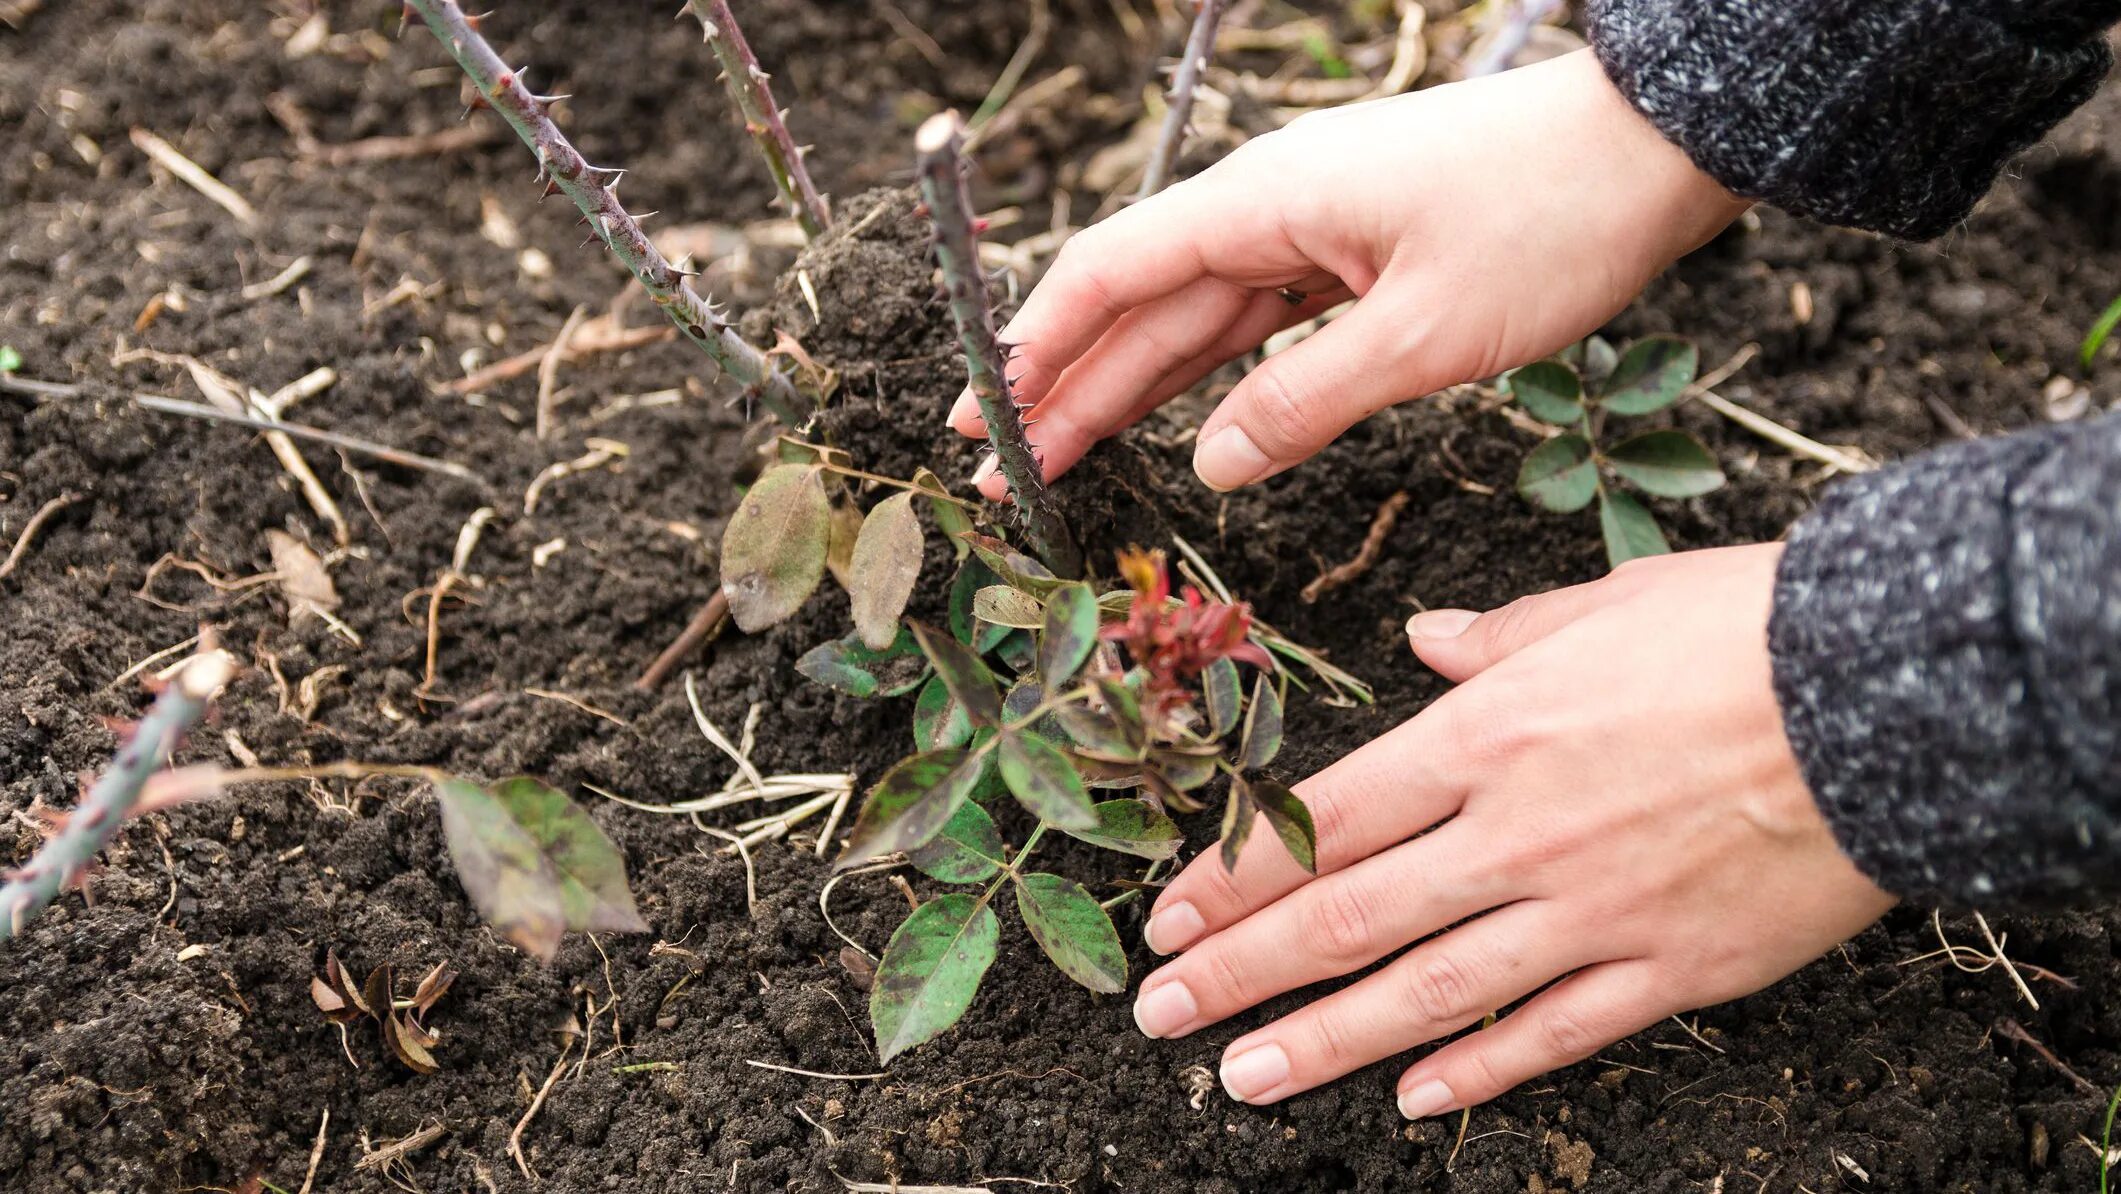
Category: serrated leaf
[848,665]
[930,971]
[533,863]
[911,804]
[972,576]
[839,544]
[1286,812]
[962,673]
[968,849]
[1044,781]
[1070,633]
[1131,827]
[1651,375]
[1014,567]
[939,721]
[1077,934]
[950,518]
[1666,463]
[1225,694]
[887,560]
[1550,390]
[1000,605]
[1559,474]
[1238,816]
[1263,730]
[773,551]
[1630,531]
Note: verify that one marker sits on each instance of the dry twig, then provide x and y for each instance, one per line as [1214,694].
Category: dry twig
[195,176]
[29,531]
[1366,558]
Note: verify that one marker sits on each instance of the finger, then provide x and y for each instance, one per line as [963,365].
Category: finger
[1566,1023]
[1078,414]
[1460,644]
[1383,793]
[1205,227]
[1300,399]
[1324,929]
[1436,989]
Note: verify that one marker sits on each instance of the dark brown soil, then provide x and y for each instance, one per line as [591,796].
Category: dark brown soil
[163,1038]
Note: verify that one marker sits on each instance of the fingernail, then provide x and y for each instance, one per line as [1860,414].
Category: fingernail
[1229,459]
[1440,623]
[985,470]
[1255,1073]
[965,410]
[1427,1099]
[1174,928]
[1165,1010]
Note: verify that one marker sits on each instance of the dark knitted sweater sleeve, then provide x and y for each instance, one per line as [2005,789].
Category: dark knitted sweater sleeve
[1947,650]
[1890,115]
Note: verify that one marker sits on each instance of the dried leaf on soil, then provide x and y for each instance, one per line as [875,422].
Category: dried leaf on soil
[773,551]
[535,864]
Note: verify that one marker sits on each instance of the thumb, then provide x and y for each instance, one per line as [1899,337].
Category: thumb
[1303,397]
[1460,644]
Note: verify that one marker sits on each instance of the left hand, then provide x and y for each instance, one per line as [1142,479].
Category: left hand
[1606,808]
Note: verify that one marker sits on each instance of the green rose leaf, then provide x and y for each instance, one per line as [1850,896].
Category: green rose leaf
[1262,740]
[1238,816]
[950,518]
[1077,934]
[1559,474]
[1043,781]
[1290,819]
[1630,532]
[848,665]
[911,804]
[972,576]
[1000,605]
[968,849]
[1131,827]
[1225,694]
[1097,734]
[969,681]
[1184,770]
[939,721]
[1550,390]
[1014,567]
[886,562]
[1651,375]
[534,863]
[773,551]
[1070,633]
[930,971]
[1666,463]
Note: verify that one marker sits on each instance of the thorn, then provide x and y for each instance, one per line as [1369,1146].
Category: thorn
[475,21]
[551,188]
[544,103]
[405,18]
[600,176]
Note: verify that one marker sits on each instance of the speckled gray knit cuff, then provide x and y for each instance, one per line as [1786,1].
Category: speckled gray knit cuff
[1891,115]
[1947,651]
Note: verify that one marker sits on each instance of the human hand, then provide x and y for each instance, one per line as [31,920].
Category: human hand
[1610,798]
[1483,224]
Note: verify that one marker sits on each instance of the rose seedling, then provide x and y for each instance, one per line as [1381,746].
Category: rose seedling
[1577,392]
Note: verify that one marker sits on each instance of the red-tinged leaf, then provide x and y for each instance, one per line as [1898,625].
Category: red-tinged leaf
[1078,935]
[848,665]
[1131,827]
[968,849]
[1043,781]
[1263,728]
[1069,634]
[1291,820]
[433,986]
[409,1045]
[911,804]
[962,673]
[1238,816]
[886,562]
[930,971]
[774,548]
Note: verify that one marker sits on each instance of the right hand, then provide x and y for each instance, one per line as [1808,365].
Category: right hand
[1482,225]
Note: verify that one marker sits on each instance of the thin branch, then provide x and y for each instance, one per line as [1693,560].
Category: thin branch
[363,447]
[590,187]
[789,1069]
[763,118]
[1178,114]
[29,531]
[705,626]
[195,176]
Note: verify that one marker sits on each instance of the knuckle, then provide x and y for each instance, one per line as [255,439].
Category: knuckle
[1332,1049]
[1331,820]
[1340,924]
[1213,890]
[1227,982]
[1281,413]
[1503,629]
[1568,1035]
[1440,990]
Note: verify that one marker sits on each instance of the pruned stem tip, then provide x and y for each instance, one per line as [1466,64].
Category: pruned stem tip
[942,181]
[563,168]
[763,118]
